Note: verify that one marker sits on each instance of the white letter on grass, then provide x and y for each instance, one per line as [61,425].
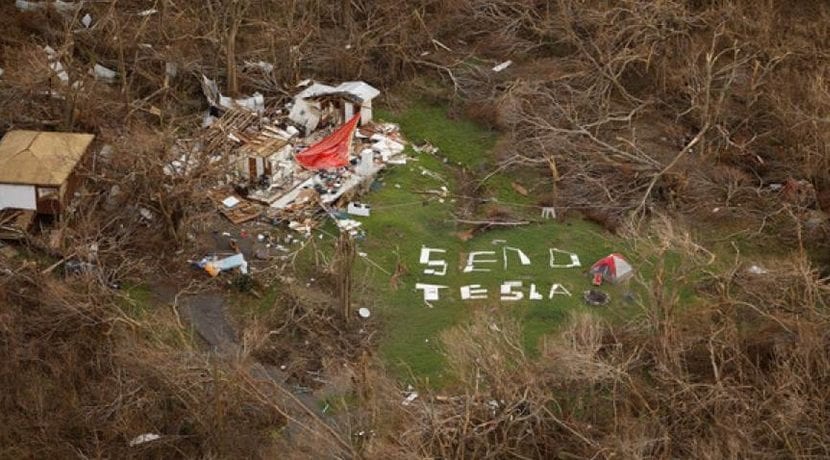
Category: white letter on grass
[474,292]
[523,258]
[558,289]
[430,290]
[425,252]
[507,292]
[471,260]
[574,259]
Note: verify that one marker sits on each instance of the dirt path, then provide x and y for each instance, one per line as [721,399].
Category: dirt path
[207,315]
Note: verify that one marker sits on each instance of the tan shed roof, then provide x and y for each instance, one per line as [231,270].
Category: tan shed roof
[41,158]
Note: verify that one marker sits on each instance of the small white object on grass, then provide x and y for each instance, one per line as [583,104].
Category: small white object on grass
[364,312]
[144,438]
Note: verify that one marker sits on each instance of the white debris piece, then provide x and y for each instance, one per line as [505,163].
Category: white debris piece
[23,5]
[86,20]
[364,312]
[145,213]
[230,201]
[348,225]
[1,71]
[358,209]
[102,73]
[55,64]
[144,438]
[502,66]
[171,69]
[757,270]
[149,12]
[265,67]
[412,396]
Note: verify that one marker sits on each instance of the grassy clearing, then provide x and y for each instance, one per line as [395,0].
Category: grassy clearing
[403,220]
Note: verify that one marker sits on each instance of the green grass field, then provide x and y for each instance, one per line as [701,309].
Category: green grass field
[403,221]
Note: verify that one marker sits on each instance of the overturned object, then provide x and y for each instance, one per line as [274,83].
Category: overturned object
[596,298]
[214,267]
[613,268]
[359,209]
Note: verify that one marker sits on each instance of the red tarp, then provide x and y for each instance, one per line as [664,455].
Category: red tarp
[331,152]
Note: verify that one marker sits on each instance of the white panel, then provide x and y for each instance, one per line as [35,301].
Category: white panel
[349,109]
[17,196]
[366,113]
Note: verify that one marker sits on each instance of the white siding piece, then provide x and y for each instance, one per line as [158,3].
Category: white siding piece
[17,196]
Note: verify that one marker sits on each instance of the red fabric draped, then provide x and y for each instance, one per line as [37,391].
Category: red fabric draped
[331,152]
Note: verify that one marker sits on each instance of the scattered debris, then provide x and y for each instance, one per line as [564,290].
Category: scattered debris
[102,73]
[358,209]
[411,395]
[519,188]
[214,266]
[548,212]
[144,438]
[757,270]
[86,20]
[502,66]
[364,312]
[595,297]
[149,12]
[230,201]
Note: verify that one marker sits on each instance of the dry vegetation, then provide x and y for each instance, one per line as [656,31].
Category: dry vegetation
[637,106]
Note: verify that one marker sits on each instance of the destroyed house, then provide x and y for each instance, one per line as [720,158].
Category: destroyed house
[264,155]
[323,105]
[38,170]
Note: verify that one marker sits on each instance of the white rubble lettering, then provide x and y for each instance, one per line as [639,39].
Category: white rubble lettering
[523,258]
[558,289]
[473,292]
[534,293]
[574,259]
[425,260]
[508,293]
[548,212]
[471,260]
[431,291]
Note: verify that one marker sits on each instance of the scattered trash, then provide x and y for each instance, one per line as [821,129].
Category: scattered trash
[595,297]
[213,265]
[364,312]
[144,438]
[358,209]
[519,188]
[145,214]
[230,201]
[149,12]
[548,212]
[86,20]
[102,73]
[263,66]
[757,270]
[362,254]
[410,397]
[502,66]
[613,268]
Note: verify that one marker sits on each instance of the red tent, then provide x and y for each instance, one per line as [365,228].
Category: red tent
[331,152]
[612,268]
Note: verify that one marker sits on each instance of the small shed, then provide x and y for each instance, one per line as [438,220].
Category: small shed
[38,170]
